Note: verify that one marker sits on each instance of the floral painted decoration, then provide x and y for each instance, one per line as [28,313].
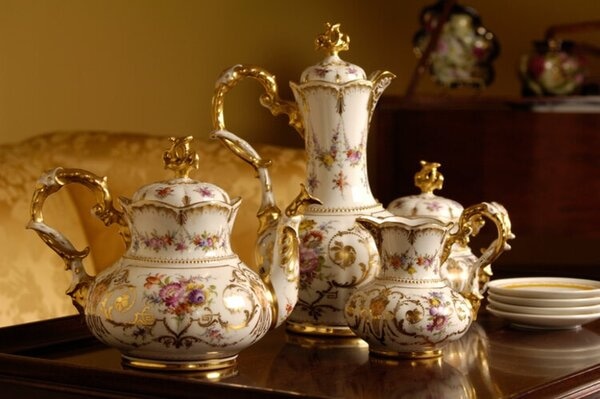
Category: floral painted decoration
[465,49]
[553,68]
[178,295]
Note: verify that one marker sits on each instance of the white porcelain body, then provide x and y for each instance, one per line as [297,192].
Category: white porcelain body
[179,298]
[188,311]
[464,272]
[336,254]
[179,293]
[408,310]
[462,269]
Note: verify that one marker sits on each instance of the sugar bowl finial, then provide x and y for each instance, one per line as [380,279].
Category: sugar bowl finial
[428,178]
[332,40]
[180,158]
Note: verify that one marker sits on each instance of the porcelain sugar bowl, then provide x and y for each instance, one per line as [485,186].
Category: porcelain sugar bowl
[464,271]
[179,298]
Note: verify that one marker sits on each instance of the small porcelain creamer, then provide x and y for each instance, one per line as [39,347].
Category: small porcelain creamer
[463,270]
[409,310]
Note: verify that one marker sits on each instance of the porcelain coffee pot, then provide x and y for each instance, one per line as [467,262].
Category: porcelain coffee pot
[334,102]
[179,298]
[465,272]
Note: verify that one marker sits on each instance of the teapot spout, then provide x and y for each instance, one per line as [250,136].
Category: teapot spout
[278,257]
[277,246]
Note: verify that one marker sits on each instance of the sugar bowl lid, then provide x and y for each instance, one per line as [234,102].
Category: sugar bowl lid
[427,203]
[182,190]
[332,68]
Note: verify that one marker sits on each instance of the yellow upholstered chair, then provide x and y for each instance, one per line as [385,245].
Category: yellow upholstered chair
[32,277]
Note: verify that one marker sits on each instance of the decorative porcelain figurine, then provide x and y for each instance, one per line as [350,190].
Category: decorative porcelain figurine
[179,298]
[553,69]
[465,272]
[334,104]
[408,310]
[465,49]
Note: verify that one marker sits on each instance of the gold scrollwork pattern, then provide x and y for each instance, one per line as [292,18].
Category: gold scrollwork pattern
[390,317]
[270,99]
[178,311]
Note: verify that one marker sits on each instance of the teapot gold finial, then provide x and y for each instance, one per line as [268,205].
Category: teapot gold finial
[332,40]
[179,297]
[428,178]
[180,158]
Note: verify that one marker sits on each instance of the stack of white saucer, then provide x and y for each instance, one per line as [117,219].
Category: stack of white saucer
[545,302]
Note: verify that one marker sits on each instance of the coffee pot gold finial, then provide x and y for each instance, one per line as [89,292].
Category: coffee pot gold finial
[332,40]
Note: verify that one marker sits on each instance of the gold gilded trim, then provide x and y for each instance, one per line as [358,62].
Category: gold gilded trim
[432,281]
[429,178]
[320,210]
[270,99]
[332,41]
[427,354]
[582,287]
[179,260]
[180,158]
[324,342]
[226,364]
[318,329]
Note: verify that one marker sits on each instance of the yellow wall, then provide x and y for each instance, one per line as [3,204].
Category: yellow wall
[149,65]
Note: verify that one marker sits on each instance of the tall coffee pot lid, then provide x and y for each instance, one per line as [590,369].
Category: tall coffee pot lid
[332,68]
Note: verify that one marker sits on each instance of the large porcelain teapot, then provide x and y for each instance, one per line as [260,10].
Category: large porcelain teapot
[334,102]
[178,298]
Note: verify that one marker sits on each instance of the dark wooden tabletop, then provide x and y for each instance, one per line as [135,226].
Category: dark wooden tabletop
[58,358]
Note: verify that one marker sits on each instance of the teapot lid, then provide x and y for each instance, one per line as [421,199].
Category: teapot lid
[182,190]
[333,69]
[427,203]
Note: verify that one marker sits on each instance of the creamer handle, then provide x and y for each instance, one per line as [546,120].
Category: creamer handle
[270,99]
[50,183]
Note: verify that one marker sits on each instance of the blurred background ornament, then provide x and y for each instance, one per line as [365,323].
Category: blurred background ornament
[559,67]
[454,47]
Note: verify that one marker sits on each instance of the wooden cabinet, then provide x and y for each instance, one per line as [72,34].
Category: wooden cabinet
[543,166]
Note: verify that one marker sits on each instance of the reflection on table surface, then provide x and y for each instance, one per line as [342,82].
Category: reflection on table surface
[492,360]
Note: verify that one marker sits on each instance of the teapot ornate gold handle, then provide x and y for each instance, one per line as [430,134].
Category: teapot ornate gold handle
[50,183]
[270,99]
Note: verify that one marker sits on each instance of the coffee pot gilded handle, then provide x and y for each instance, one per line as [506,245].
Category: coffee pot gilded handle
[269,99]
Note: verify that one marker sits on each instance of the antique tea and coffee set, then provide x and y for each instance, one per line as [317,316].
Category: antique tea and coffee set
[335,263]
